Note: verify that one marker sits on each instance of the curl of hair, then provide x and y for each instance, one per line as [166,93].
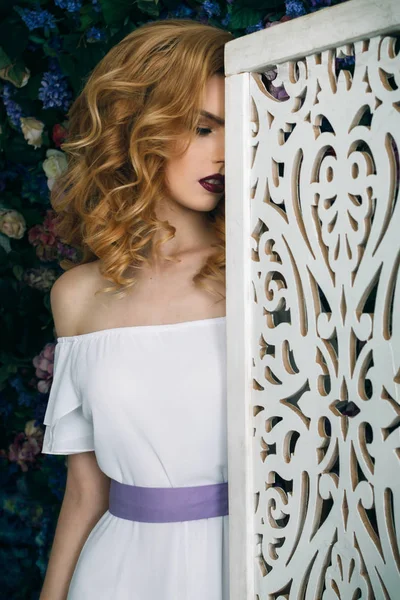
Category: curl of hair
[133,112]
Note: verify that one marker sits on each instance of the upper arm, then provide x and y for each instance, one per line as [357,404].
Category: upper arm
[86,481]
[67,297]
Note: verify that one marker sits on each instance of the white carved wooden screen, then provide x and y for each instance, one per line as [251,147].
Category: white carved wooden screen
[313,307]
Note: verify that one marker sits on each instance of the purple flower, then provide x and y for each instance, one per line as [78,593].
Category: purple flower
[182,12]
[17,383]
[56,43]
[94,34]
[256,27]
[13,110]
[34,19]
[9,172]
[34,186]
[33,47]
[6,407]
[69,5]
[345,61]
[211,8]
[54,91]
[226,20]
[320,3]
[44,363]
[96,6]
[295,8]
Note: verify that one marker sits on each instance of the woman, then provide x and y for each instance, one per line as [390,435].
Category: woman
[138,395]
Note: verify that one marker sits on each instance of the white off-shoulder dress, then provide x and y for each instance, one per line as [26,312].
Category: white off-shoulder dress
[151,402]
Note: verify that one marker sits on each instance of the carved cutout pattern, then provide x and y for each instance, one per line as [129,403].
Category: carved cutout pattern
[326,325]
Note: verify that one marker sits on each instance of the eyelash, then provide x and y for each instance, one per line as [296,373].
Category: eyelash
[203,129]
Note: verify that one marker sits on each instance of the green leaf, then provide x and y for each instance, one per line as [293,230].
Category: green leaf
[18,272]
[5,242]
[70,43]
[6,371]
[5,61]
[37,39]
[86,21]
[149,7]
[244,17]
[276,17]
[115,11]
[16,73]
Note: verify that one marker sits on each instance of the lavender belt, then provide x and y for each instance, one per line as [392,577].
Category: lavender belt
[168,505]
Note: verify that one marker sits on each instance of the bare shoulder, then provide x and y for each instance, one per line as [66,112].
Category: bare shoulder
[69,296]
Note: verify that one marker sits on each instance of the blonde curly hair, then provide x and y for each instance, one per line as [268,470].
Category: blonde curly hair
[140,102]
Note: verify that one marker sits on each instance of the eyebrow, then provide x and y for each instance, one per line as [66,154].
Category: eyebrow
[218,120]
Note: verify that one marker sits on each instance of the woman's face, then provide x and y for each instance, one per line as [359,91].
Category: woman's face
[204,157]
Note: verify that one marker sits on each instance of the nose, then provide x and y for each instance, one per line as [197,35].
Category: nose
[220,149]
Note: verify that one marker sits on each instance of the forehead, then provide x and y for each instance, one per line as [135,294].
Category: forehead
[210,117]
[214,98]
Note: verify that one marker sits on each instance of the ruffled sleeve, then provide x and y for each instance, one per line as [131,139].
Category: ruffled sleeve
[68,430]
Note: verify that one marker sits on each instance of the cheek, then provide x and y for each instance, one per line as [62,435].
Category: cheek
[195,156]
[187,167]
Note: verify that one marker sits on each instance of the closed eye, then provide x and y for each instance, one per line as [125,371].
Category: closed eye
[202,131]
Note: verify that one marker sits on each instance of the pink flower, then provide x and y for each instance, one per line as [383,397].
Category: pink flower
[279,92]
[41,279]
[44,239]
[268,23]
[26,446]
[48,245]
[44,363]
[59,134]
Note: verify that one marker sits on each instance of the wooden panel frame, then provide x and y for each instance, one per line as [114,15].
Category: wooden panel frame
[327,28]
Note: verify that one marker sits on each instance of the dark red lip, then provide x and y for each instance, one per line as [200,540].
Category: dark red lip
[211,187]
[220,178]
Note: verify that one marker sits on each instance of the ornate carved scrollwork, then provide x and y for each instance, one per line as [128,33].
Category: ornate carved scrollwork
[326,327]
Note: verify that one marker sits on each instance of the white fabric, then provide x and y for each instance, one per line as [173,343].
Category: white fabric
[151,402]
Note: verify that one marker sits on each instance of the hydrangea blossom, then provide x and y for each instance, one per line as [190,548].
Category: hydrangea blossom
[211,8]
[345,61]
[13,110]
[295,8]
[94,34]
[35,19]
[56,43]
[182,11]
[24,398]
[54,91]
[226,20]
[69,5]
[34,185]
[256,27]
[96,6]
[6,407]
[5,175]
[33,47]
[320,3]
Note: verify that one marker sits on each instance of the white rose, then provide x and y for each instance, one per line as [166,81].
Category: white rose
[55,164]
[32,130]
[12,224]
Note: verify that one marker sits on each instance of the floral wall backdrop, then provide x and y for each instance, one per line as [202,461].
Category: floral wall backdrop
[47,48]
